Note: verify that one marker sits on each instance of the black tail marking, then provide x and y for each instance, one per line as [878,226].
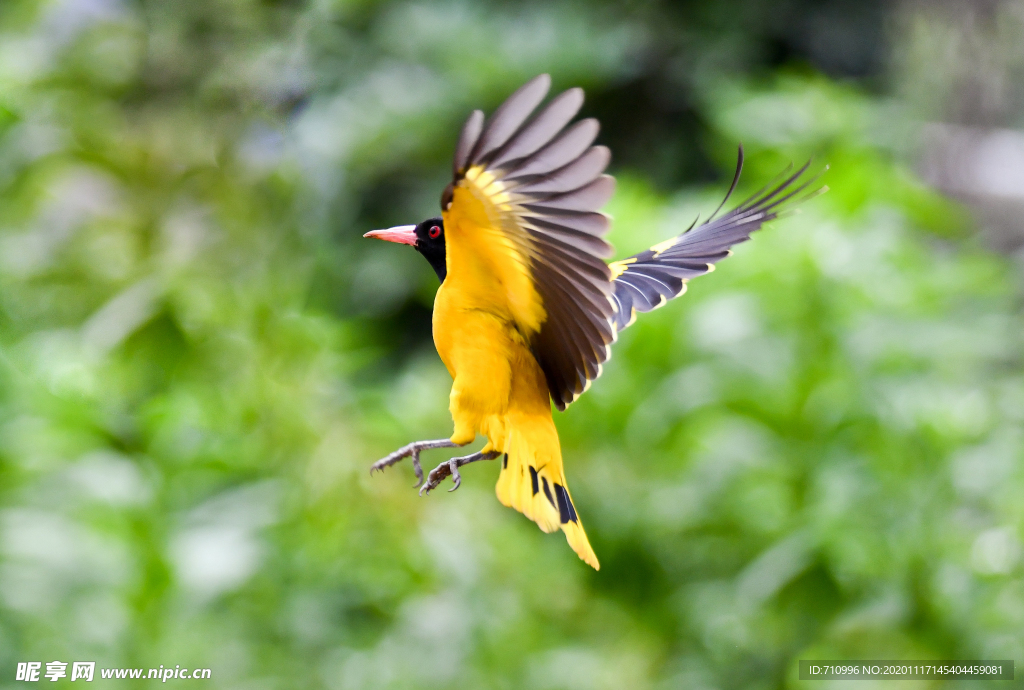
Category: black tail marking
[533,480]
[547,491]
[566,510]
[504,462]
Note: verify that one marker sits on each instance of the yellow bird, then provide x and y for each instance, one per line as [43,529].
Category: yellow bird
[528,309]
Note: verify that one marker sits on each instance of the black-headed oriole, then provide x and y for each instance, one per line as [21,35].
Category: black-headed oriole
[528,309]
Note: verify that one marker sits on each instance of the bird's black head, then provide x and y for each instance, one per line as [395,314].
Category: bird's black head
[430,243]
[427,237]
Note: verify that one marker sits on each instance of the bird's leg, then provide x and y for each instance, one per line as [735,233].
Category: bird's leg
[451,467]
[413,450]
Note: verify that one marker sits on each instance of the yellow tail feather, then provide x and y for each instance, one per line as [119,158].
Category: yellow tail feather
[532,481]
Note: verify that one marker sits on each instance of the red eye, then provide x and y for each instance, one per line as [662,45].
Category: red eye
[434,232]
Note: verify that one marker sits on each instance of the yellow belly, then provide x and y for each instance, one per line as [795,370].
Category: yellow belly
[493,369]
[483,308]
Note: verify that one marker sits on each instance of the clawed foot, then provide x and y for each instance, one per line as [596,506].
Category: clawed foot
[451,467]
[412,450]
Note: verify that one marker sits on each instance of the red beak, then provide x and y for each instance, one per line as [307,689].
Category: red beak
[402,234]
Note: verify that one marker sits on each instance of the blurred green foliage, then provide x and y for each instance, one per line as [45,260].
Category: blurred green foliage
[815,453]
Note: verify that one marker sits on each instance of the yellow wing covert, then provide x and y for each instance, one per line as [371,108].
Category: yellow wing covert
[529,190]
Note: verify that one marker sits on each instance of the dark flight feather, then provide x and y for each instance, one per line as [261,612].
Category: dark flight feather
[510,115]
[467,140]
[583,170]
[647,280]
[541,129]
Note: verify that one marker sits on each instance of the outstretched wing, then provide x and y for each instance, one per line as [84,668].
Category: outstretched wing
[647,280]
[524,206]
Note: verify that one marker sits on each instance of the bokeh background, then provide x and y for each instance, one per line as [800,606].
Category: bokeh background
[816,453]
